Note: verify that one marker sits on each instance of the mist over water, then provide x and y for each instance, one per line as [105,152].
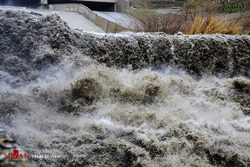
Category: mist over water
[123,99]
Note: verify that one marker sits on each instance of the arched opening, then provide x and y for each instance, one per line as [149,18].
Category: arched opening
[97,6]
[23,3]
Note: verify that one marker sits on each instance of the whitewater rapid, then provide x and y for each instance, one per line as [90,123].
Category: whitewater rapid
[129,99]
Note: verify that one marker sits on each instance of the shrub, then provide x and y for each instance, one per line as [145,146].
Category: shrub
[172,23]
[155,22]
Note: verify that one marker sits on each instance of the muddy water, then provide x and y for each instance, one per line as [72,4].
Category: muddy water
[125,99]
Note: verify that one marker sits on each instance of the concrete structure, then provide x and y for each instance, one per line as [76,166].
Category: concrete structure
[111,1]
[123,6]
[106,22]
[44,2]
[80,21]
[97,5]
[22,3]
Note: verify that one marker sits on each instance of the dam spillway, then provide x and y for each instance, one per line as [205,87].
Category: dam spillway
[126,99]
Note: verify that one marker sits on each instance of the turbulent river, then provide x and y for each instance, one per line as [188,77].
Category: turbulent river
[128,99]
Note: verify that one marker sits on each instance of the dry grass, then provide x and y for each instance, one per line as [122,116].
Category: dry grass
[197,17]
[212,25]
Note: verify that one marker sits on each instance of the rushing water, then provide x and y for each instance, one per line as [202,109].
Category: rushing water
[126,99]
